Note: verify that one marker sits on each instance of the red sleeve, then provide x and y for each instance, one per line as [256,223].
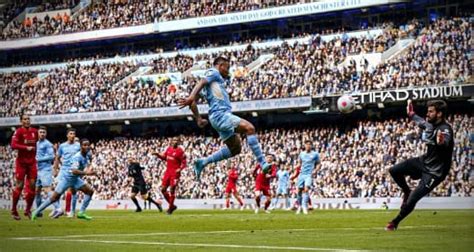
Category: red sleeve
[274,171]
[255,171]
[297,172]
[162,156]
[17,139]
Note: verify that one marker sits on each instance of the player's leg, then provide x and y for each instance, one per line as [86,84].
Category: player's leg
[68,201]
[164,188]
[20,173]
[73,203]
[146,195]
[427,183]
[58,191]
[247,128]
[239,199]
[268,200]
[38,190]
[232,147]
[257,199]
[88,192]
[31,174]
[412,167]
[133,197]
[227,200]
[173,188]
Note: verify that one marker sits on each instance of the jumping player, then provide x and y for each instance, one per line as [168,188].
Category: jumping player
[24,140]
[139,185]
[262,183]
[221,117]
[231,187]
[432,167]
[175,163]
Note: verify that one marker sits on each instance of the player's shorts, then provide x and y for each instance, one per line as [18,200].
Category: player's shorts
[225,124]
[304,181]
[65,183]
[282,190]
[45,178]
[264,189]
[230,189]
[169,180]
[23,169]
[140,187]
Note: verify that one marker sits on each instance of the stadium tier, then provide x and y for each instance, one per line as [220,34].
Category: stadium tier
[350,63]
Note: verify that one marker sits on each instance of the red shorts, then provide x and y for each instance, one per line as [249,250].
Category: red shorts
[230,188]
[264,189]
[28,170]
[169,180]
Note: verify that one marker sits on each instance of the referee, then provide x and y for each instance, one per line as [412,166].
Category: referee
[139,185]
[432,167]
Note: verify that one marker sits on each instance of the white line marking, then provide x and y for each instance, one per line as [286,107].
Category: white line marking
[198,245]
[381,228]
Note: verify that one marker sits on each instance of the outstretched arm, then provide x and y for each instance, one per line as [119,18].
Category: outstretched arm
[417,119]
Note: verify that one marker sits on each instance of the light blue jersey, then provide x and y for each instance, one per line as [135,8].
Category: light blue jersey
[215,93]
[220,115]
[45,158]
[308,161]
[65,152]
[44,154]
[79,162]
[283,182]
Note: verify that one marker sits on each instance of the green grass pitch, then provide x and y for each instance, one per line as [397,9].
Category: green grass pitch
[217,230]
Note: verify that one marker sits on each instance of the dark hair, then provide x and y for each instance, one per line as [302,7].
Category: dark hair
[70,129]
[308,141]
[83,140]
[42,127]
[439,105]
[23,113]
[220,60]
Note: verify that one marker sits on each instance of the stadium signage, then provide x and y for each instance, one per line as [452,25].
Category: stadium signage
[164,112]
[414,94]
[269,13]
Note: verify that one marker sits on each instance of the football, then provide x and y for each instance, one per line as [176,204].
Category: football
[346,104]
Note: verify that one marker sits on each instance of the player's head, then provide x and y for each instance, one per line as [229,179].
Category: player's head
[25,120]
[71,135]
[42,132]
[222,64]
[269,158]
[85,145]
[175,142]
[308,145]
[437,110]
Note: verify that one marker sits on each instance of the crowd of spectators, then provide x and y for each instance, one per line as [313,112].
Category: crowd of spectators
[120,13]
[354,161]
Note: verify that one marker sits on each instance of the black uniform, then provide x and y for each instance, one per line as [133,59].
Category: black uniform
[139,185]
[431,168]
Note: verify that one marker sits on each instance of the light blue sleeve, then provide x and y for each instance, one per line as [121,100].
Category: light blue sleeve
[211,75]
[316,157]
[60,150]
[49,156]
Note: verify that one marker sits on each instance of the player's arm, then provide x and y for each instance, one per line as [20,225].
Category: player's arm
[422,123]
[255,171]
[184,163]
[57,160]
[48,157]
[194,94]
[200,122]
[87,171]
[16,143]
[161,156]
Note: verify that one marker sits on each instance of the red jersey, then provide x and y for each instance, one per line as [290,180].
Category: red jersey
[233,177]
[23,138]
[261,179]
[175,159]
[297,173]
